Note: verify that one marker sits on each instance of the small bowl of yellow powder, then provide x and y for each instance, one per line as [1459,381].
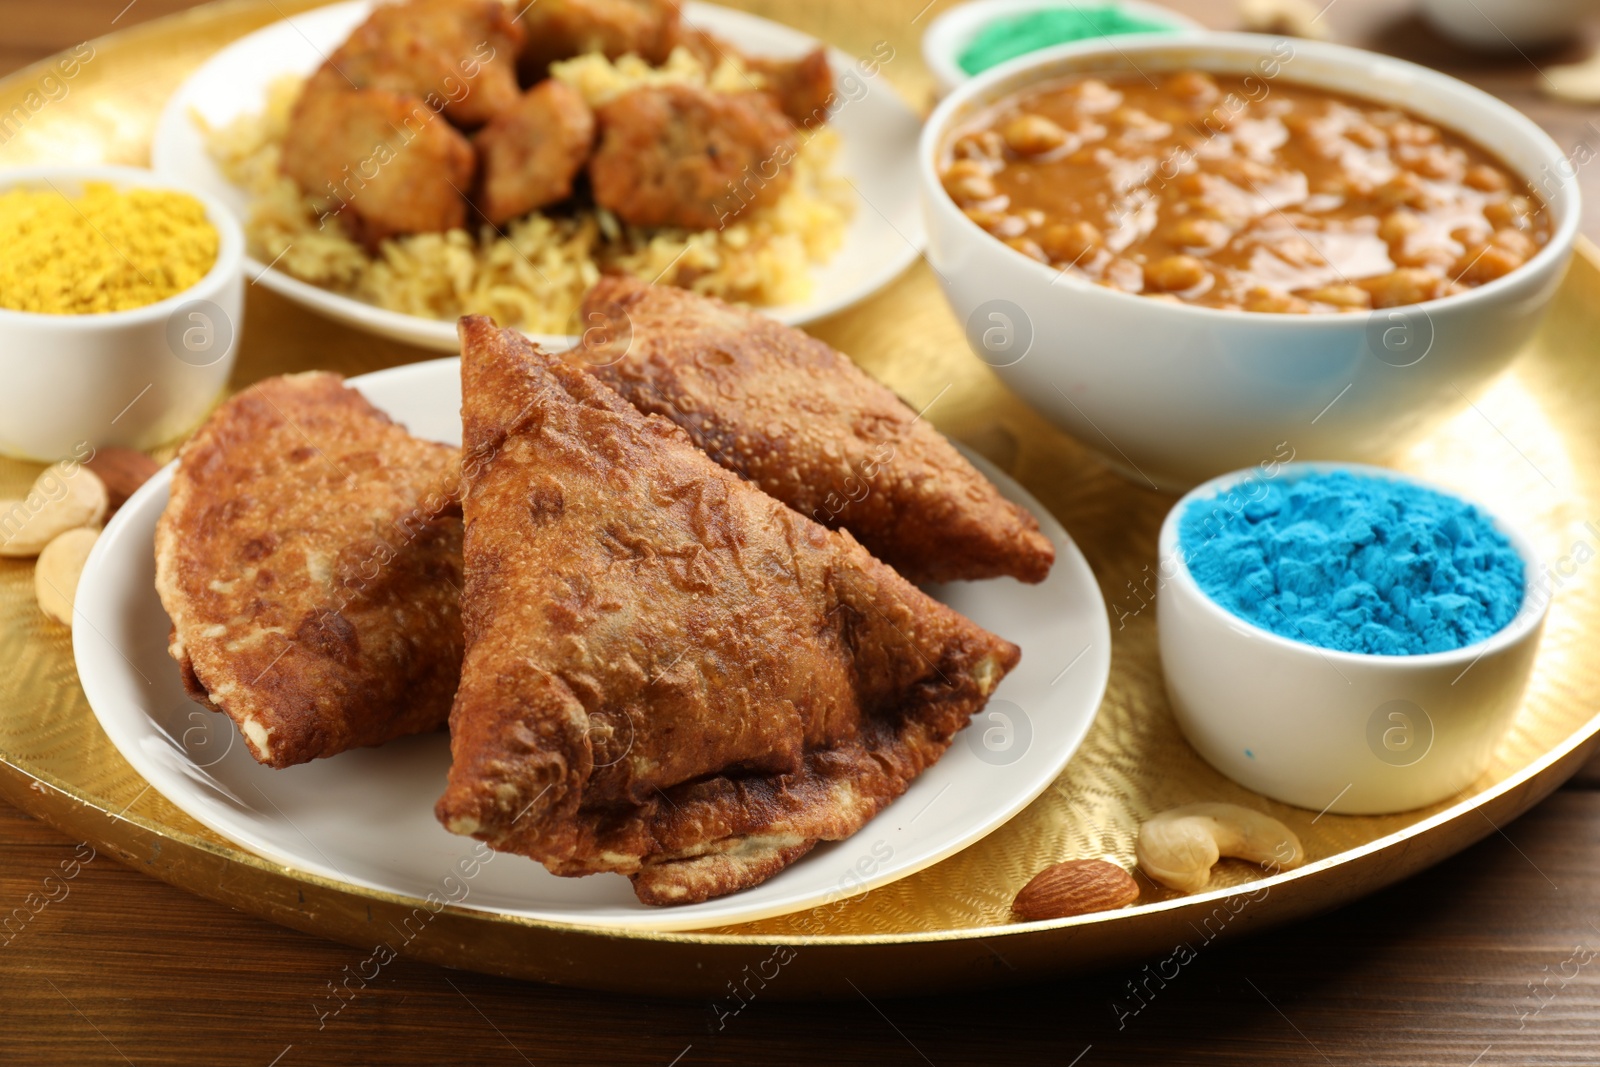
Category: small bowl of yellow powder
[121,304]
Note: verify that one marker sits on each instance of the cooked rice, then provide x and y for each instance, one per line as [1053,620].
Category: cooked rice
[533,273]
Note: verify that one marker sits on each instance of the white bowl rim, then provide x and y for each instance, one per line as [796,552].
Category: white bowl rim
[230,243]
[1526,621]
[949,33]
[1559,247]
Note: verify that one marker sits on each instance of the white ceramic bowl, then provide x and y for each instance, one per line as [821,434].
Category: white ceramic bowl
[1506,25]
[1174,394]
[949,35]
[1336,731]
[134,378]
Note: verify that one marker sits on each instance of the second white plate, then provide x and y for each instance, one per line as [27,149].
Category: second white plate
[877,131]
[366,817]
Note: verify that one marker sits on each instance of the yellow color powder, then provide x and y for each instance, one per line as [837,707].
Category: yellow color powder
[107,250]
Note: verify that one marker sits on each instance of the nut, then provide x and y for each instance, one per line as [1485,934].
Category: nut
[1075,887]
[1291,18]
[64,497]
[122,470]
[55,576]
[1576,82]
[1179,847]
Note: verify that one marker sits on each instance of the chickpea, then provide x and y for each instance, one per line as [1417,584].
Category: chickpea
[1292,247]
[1302,125]
[1199,233]
[971,187]
[1515,241]
[1397,226]
[966,168]
[1126,275]
[1485,263]
[998,222]
[1263,298]
[1222,116]
[1069,242]
[1408,131]
[1404,189]
[1514,212]
[1440,164]
[1140,125]
[1193,85]
[1246,172]
[1095,96]
[980,144]
[1033,135]
[1408,285]
[1175,273]
[1028,247]
[1486,178]
[1341,296]
[1436,256]
[1366,135]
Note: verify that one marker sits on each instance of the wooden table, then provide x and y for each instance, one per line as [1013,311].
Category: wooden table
[1491,958]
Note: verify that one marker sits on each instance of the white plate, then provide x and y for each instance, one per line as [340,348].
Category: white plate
[366,817]
[878,135]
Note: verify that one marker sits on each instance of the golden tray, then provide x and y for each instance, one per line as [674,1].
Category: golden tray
[1525,446]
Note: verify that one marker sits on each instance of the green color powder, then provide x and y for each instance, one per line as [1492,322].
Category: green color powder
[1008,38]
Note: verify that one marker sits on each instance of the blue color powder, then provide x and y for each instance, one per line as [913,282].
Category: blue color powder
[1354,562]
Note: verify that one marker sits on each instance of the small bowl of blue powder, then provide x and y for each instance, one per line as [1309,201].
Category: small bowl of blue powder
[1345,638]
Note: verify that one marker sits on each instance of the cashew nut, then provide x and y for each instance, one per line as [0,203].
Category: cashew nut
[64,497]
[1178,848]
[55,576]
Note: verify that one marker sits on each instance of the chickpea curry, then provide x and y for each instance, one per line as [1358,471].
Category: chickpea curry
[1236,192]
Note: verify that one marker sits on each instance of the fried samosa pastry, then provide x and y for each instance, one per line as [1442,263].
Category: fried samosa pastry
[310,559]
[669,674]
[806,424]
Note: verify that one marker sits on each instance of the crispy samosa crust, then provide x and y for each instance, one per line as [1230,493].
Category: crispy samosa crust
[669,674]
[811,428]
[310,559]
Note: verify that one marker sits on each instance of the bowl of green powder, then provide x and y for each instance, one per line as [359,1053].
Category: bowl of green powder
[1345,638]
[971,38]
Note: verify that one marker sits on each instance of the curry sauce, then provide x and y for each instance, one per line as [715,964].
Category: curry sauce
[1240,192]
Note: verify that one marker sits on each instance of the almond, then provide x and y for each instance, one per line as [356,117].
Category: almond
[1075,887]
[123,470]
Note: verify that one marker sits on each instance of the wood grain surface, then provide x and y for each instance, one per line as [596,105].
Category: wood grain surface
[1491,958]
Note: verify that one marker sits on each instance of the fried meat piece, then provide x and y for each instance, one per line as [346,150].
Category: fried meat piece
[811,428]
[682,156]
[669,674]
[310,560]
[457,56]
[384,163]
[562,29]
[531,152]
[803,86]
